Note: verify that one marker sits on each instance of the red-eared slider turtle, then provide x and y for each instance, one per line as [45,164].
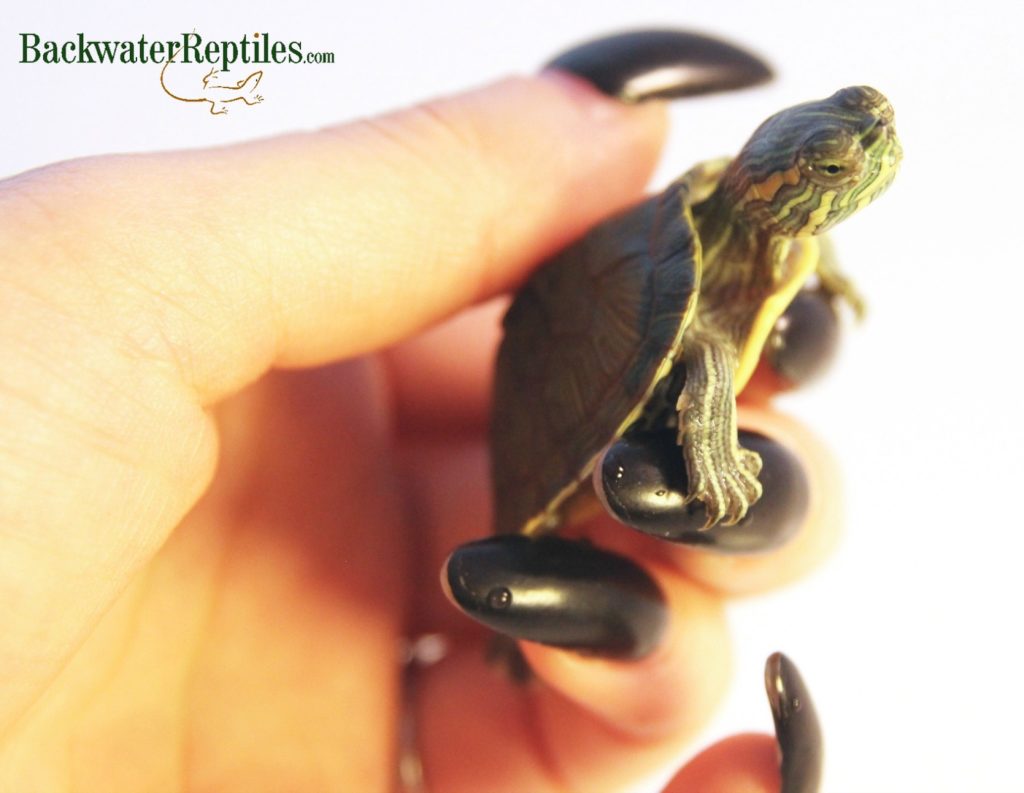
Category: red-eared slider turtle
[660,314]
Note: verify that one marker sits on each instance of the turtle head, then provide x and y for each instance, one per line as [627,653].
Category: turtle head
[813,165]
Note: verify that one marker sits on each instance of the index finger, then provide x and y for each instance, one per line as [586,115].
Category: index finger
[310,247]
[137,290]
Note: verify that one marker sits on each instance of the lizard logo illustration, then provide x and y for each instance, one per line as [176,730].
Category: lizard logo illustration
[218,93]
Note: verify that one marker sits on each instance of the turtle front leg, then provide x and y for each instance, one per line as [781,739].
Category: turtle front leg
[722,474]
[834,283]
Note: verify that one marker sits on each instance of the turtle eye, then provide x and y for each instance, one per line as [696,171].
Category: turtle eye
[831,156]
[827,169]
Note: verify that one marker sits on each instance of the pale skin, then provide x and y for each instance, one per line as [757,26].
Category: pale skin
[207,561]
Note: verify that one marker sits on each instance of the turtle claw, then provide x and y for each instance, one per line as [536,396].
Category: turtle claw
[750,463]
[726,487]
[839,289]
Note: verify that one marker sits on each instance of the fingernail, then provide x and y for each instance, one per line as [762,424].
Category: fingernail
[797,729]
[805,339]
[661,64]
[643,484]
[558,592]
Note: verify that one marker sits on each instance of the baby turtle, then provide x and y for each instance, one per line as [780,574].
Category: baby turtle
[658,316]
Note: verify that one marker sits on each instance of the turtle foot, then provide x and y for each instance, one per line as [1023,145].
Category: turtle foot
[839,289]
[835,285]
[722,474]
[726,483]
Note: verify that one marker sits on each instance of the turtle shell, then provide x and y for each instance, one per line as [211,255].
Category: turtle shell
[586,340]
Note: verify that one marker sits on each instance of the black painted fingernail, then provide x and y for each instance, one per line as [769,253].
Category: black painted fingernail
[797,729]
[643,483]
[559,592]
[805,339]
[661,64]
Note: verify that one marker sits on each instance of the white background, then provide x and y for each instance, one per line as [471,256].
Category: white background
[910,636]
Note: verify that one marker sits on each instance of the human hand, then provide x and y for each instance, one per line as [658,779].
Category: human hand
[225,493]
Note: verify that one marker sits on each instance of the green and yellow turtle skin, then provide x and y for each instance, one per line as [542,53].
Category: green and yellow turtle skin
[687,285]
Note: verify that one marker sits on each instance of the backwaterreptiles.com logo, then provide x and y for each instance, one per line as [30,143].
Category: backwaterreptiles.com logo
[216,88]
